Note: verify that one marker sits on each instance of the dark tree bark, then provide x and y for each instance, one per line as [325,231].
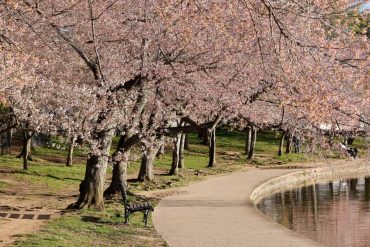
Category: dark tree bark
[253,143]
[161,151]
[201,134]
[350,140]
[345,140]
[212,148]
[175,155]
[248,140]
[297,145]
[119,175]
[92,187]
[367,188]
[2,145]
[121,159]
[181,151]
[7,143]
[161,148]
[26,148]
[9,138]
[289,144]
[147,163]
[281,144]
[70,151]
[205,136]
[186,141]
[121,156]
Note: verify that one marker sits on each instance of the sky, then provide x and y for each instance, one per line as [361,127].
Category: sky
[365,7]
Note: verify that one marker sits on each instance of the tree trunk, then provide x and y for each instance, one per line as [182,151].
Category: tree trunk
[297,145]
[186,141]
[161,150]
[181,151]
[200,134]
[2,145]
[147,162]
[26,149]
[253,143]
[122,154]
[9,138]
[70,152]
[205,136]
[7,143]
[175,155]
[281,144]
[248,140]
[92,187]
[289,144]
[119,175]
[212,148]
[345,140]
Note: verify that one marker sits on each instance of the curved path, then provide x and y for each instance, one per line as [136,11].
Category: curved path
[218,212]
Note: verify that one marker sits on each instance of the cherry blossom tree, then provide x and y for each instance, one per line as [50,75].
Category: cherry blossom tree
[101,67]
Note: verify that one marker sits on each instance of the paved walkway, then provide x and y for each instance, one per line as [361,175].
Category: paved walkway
[218,212]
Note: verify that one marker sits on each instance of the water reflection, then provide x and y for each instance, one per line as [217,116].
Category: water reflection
[334,214]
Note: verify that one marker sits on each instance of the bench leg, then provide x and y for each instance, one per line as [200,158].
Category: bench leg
[127,215]
[146,213]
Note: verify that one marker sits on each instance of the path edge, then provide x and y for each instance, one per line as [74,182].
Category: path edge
[297,179]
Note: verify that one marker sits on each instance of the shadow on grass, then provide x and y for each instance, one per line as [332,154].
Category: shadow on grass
[8,171]
[92,219]
[55,177]
[41,175]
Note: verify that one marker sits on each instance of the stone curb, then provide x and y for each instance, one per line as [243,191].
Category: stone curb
[342,170]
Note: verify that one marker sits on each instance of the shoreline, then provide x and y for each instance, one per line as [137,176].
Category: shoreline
[305,177]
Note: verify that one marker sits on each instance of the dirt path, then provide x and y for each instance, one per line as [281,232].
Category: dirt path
[24,214]
[25,208]
[12,229]
[218,212]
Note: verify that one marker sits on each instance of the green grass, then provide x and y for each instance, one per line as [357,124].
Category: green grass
[287,158]
[361,144]
[45,151]
[3,185]
[195,170]
[267,142]
[49,175]
[91,228]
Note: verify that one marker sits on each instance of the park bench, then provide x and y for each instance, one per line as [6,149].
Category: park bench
[131,208]
[353,152]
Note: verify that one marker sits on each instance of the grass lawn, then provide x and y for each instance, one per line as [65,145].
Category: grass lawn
[3,184]
[51,176]
[90,228]
[362,145]
[48,174]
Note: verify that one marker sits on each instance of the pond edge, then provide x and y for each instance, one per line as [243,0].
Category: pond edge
[301,178]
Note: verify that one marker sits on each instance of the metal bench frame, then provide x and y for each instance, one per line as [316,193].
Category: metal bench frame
[130,208]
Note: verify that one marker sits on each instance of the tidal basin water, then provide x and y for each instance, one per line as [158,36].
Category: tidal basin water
[334,214]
